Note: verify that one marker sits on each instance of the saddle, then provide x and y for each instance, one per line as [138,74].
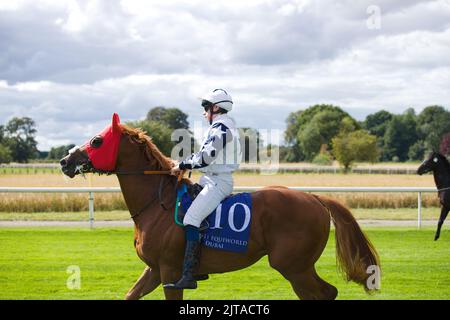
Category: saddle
[193,190]
[227,228]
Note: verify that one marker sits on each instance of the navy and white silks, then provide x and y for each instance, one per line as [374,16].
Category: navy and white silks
[218,157]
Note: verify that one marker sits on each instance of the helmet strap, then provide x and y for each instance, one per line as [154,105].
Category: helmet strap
[212,113]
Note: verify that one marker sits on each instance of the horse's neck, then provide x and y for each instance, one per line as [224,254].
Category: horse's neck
[442,177]
[141,192]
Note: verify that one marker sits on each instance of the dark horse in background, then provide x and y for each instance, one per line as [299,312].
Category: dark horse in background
[290,227]
[439,165]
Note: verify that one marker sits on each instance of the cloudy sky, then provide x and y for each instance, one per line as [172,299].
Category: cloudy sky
[70,64]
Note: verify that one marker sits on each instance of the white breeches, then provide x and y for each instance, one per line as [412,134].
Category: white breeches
[215,189]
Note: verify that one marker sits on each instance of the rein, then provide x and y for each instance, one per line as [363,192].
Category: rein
[143,172]
[88,167]
[158,196]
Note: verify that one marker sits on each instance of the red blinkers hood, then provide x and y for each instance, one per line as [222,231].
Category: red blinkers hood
[104,157]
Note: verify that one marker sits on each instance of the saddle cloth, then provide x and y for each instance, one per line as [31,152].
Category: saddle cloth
[228,226]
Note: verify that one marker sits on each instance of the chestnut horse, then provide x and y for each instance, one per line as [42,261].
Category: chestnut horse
[291,227]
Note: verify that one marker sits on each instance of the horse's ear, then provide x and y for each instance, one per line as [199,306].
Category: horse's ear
[116,123]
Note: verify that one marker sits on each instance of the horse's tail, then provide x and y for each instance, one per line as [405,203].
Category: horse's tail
[354,251]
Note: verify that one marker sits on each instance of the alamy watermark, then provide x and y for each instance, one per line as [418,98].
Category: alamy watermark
[74,280]
[373,282]
[373,22]
[256,147]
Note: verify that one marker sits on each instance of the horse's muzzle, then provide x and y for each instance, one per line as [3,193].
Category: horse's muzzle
[67,167]
[422,170]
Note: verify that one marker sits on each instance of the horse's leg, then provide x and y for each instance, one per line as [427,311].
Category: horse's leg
[309,286]
[294,252]
[171,275]
[147,282]
[444,213]
[296,264]
[172,294]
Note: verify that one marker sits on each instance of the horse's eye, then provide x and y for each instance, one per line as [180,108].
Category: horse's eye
[435,160]
[96,142]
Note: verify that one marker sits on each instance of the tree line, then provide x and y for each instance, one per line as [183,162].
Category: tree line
[322,132]
[17,140]
[18,137]
[319,134]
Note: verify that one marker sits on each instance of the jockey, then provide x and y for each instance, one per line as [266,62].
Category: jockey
[218,158]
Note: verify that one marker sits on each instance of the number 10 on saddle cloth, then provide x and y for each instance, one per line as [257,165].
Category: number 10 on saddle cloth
[228,226]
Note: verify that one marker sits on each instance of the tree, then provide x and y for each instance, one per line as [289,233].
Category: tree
[57,153]
[354,146]
[290,135]
[432,123]
[313,127]
[417,151]
[293,153]
[284,153]
[2,133]
[321,129]
[160,134]
[174,118]
[5,154]
[377,123]
[19,136]
[400,135]
[324,157]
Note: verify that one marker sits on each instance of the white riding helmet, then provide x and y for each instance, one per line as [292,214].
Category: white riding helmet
[220,98]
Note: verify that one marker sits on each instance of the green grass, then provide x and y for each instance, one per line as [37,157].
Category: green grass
[65,216]
[360,213]
[33,265]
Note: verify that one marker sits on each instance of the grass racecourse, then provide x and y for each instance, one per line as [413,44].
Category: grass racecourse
[39,264]
[43,262]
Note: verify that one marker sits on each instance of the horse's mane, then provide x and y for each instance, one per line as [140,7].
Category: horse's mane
[141,137]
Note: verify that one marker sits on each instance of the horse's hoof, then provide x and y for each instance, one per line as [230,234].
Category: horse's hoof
[436,237]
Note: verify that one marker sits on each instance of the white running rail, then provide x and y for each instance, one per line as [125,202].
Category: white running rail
[91,191]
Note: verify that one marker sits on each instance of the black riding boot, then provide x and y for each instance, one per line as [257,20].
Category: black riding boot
[190,265]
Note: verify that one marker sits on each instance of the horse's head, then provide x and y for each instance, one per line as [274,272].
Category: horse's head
[116,149]
[434,160]
[99,154]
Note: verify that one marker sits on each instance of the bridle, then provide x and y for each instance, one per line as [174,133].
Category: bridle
[87,167]
[158,196]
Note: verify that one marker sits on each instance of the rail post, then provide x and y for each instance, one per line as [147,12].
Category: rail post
[419,210]
[91,210]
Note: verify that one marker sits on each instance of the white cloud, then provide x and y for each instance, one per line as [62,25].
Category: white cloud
[77,20]
[70,64]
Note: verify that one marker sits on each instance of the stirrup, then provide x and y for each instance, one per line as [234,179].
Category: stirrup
[201,277]
[183,283]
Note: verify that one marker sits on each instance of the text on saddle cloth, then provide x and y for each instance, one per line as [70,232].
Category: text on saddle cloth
[228,225]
